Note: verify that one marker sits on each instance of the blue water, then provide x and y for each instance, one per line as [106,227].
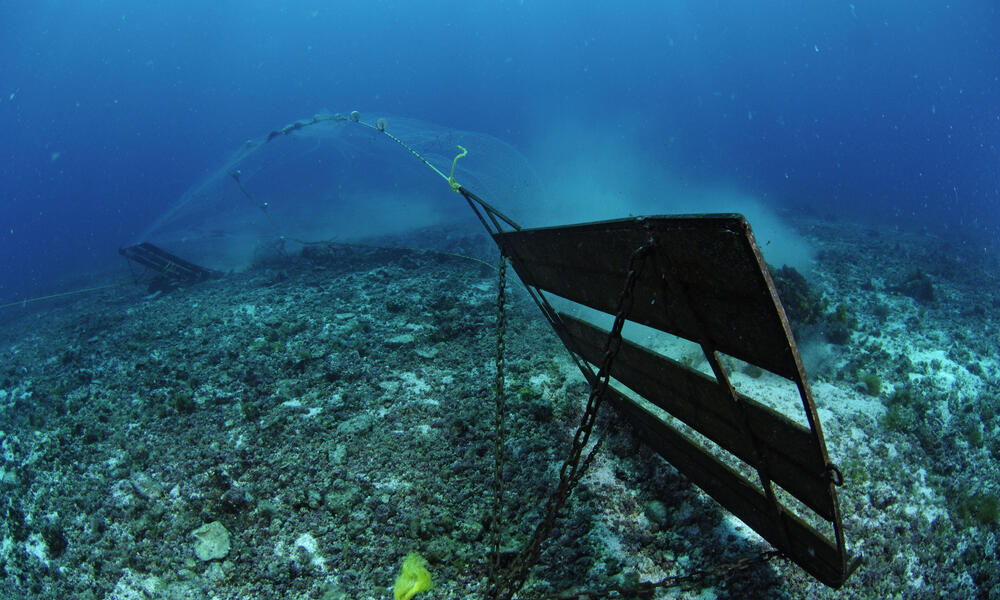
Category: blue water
[110,110]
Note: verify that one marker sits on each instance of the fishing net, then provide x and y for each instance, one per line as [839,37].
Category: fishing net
[340,178]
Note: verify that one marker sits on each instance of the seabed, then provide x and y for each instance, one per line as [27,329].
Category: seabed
[332,412]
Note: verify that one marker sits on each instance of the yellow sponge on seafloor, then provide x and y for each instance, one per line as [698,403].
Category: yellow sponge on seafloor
[413,577]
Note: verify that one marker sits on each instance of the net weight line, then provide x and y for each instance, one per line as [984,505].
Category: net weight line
[504,585]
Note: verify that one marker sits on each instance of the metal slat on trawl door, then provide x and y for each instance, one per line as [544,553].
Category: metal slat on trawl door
[701,278]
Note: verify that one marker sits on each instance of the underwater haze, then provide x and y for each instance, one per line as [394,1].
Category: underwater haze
[888,111]
[317,378]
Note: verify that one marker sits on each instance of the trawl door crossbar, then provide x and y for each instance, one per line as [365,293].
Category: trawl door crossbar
[703,280]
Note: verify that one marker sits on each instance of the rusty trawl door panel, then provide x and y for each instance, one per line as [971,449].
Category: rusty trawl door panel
[700,403]
[708,256]
[808,548]
[704,280]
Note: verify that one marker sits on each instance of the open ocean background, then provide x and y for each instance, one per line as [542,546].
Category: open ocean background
[888,111]
[295,428]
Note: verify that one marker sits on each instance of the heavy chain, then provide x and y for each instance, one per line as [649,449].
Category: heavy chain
[504,587]
[499,434]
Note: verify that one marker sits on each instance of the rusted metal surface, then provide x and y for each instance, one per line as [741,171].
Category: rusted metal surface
[698,401]
[167,265]
[709,257]
[704,281]
[807,547]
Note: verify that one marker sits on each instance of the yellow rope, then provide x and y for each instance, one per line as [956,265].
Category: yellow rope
[451,179]
[380,127]
[60,295]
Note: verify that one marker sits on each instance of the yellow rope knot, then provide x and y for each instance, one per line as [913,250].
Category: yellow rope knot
[455,186]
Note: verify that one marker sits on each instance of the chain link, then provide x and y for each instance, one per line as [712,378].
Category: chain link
[499,434]
[503,587]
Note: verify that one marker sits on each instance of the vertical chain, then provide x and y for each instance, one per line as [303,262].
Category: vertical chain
[499,433]
[504,587]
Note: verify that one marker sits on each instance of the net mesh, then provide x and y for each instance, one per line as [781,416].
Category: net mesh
[339,178]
